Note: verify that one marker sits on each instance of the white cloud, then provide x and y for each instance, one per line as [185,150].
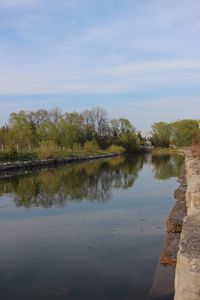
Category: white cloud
[67,46]
[154,66]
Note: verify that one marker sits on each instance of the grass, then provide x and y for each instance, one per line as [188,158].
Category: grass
[116,149]
[52,152]
[165,151]
[6,156]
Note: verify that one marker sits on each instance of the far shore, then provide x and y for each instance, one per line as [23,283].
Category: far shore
[14,166]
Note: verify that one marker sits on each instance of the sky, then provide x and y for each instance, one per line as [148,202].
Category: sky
[139,59]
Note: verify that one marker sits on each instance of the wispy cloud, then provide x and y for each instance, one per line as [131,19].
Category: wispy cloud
[162,109]
[155,66]
[99,48]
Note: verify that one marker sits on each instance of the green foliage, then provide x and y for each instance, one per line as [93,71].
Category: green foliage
[51,133]
[180,133]
[47,150]
[69,129]
[77,148]
[185,132]
[165,151]
[25,156]
[13,155]
[115,149]
[91,147]
[161,134]
[4,156]
[129,141]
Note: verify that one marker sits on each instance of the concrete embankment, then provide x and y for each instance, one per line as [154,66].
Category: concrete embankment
[163,284]
[175,222]
[187,279]
[10,167]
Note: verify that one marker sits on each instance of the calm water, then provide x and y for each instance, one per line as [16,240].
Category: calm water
[92,231]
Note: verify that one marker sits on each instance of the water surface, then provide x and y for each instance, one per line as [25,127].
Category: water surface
[91,231]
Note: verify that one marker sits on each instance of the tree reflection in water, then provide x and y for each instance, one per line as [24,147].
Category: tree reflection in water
[54,187]
[92,181]
[167,166]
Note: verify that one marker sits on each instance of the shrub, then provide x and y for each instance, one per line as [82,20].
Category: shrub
[12,153]
[129,142]
[24,156]
[91,147]
[47,150]
[4,156]
[77,148]
[116,149]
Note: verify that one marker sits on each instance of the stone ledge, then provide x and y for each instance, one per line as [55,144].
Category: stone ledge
[169,253]
[187,279]
[11,167]
[190,238]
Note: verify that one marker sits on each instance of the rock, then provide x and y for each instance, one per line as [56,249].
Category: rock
[175,219]
[169,253]
[180,193]
[187,282]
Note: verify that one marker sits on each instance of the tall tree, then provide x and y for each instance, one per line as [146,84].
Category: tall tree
[161,134]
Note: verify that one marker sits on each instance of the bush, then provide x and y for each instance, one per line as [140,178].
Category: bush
[25,156]
[129,142]
[77,148]
[4,156]
[116,149]
[12,153]
[91,147]
[47,150]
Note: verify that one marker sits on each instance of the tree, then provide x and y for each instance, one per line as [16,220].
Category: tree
[44,127]
[161,134]
[70,129]
[185,132]
[97,125]
[129,141]
[21,131]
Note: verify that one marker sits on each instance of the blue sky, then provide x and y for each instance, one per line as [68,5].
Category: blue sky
[137,58]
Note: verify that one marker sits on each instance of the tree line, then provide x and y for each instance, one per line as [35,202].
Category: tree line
[179,134]
[53,128]
[52,133]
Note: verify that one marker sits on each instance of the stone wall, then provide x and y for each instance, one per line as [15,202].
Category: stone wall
[10,167]
[187,279]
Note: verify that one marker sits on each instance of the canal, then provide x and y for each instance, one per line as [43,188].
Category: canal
[90,231]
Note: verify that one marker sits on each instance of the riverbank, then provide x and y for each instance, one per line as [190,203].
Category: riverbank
[187,277]
[163,284]
[175,222]
[10,167]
